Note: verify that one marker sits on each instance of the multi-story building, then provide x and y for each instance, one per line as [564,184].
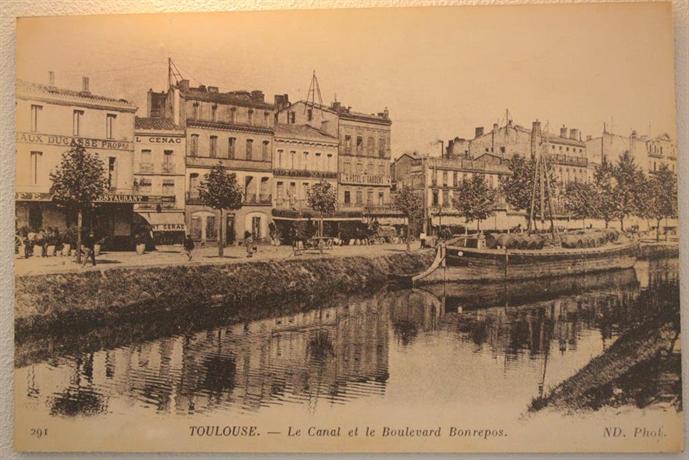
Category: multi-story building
[566,152]
[363,155]
[49,121]
[303,155]
[159,170]
[234,129]
[648,153]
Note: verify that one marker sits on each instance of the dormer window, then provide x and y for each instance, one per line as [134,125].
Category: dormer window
[195,111]
[214,112]
[251,117]
[233,113]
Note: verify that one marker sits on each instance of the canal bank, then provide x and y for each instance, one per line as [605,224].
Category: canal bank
[82,300]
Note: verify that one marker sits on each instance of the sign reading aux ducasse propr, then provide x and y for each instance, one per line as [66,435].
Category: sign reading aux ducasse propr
[66,141]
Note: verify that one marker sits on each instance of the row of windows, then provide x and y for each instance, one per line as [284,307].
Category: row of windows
[252,185]
[77,117]
[36,165]
[230,116]
[369,148]
[567,149]
[168,160]
[359,168]
[371,197]
[304,161]
[145,186]
[458,177]
[214,151]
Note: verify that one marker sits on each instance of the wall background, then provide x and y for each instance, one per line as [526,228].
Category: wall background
[13,8]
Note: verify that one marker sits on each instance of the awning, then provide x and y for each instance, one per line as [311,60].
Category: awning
[165,221]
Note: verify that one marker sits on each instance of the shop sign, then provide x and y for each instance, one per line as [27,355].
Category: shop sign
[131,198]
[67,141]
[168,227]
[160,139]
[33,196]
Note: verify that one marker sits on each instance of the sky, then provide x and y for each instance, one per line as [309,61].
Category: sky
[440,71]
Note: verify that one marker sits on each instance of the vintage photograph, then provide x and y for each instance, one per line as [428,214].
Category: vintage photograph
[431,229]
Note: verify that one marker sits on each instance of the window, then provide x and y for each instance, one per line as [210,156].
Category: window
[266,119]
[168,161]
[214,112]
[231,143]
[211,229]
[145,186]
[444,178]
[168,187]
[292,159]
[502,149]
[214,146]
[446,197]
[381,147]
[359,145]
[435,198]
[454,179]
[381,198]
[347,197]
[329,162]
[280,159]
[347,168]
[146,165]
[249,148]
[250,116]
[35,165]
[291,117]
[370,146]
[35,110]
[359,197]
[233,114]
[348,144]
[305,188]
[109,125]
[317,163]
[112,172]
[265,151]
[305,165]
[369,197]
[76,122]
[194,185]
[195,111]
[194,145]
[309,114]
[280,191]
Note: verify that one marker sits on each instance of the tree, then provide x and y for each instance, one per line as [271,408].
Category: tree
[605,192]
[518,186]
[580,200]
[475,200]
[321,197]
[77,182]
[410,204]
[629,180]
[659,197]
[220,191]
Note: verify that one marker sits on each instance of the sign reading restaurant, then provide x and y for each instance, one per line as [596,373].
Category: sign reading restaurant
[107,198]
[66,141]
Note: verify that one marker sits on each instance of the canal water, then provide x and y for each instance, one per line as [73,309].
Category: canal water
[398,350]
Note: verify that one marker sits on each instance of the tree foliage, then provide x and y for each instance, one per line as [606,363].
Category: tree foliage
[605,192]
[410,204]
[79,180]
[475,200]
[321,197]
[580,200]
[659,196]
[517,187]
[220,190]
[628,182]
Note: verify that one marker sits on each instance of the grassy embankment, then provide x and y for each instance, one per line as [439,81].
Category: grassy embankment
[95,298]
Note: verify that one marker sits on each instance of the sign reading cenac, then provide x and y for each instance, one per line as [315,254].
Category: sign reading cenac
[161,140]
[66,141]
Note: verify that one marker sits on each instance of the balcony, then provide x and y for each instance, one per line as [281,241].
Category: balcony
[168,169]
[364,179]
[193,198]
[240,165]
[304,173]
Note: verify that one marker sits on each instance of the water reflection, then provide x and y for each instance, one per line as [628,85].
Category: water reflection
[514,340]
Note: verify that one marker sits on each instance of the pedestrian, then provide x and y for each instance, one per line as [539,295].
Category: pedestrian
[188,246]
[90,253]
[42,242]
[249,244]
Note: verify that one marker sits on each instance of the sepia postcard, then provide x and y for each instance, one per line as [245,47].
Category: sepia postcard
[430,229]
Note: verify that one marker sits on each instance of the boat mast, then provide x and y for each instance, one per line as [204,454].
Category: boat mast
[541,182]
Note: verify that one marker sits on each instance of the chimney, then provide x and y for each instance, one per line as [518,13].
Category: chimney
[633,134]
[336,106]
[213,89]
[257,96]
[386,113]
[281,101]
[574,134]
[85,85]
[509,123]
[183,85]
[495,126]
[478,132]
[536,127]
[51,78]
[589,137]
[563,131]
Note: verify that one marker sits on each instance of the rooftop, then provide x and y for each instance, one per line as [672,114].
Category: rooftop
[161,124]
[203,93]
[303,132]
[27,89]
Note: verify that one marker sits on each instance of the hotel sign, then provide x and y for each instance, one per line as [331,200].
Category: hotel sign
[66,141]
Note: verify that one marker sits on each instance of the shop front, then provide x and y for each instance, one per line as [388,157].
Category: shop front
[166,227]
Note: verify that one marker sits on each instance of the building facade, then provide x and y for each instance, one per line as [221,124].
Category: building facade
[159,170]
[648,153]
[363,178]
[49,121]
[234,129]
[303,155]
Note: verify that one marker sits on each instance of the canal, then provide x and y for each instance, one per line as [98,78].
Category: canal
[453,350]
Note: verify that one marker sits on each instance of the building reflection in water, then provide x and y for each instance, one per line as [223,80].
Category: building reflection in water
[336,354]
